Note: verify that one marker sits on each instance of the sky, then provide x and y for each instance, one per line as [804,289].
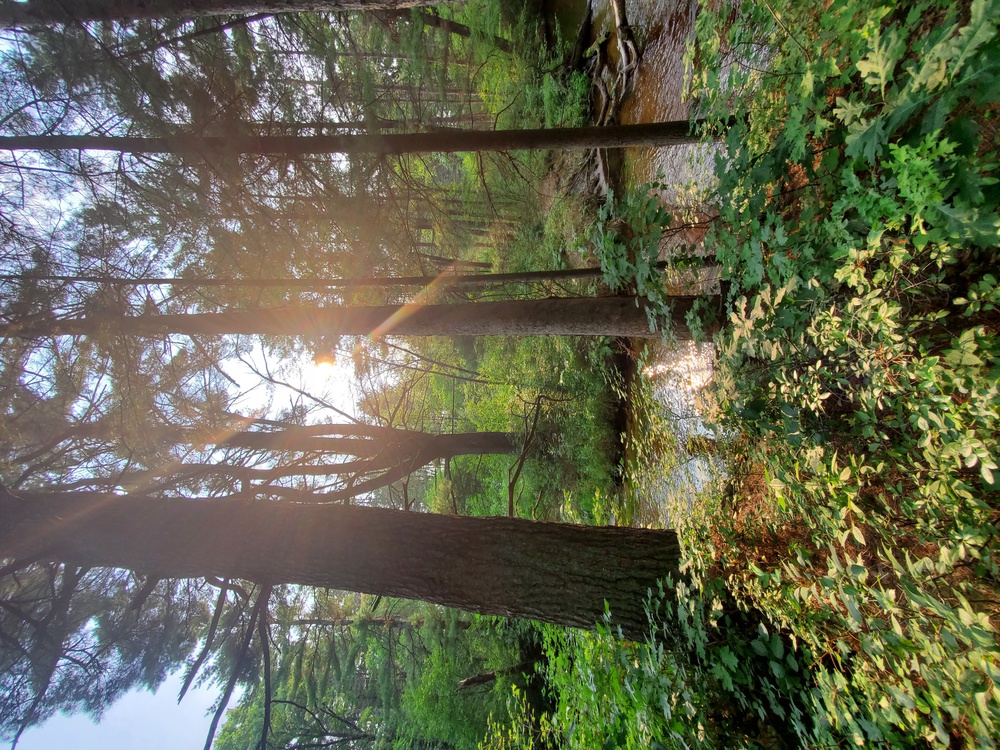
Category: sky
[148,721]
[140,720]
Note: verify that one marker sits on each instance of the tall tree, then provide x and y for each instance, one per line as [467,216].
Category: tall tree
[449,276]
[48,12]
[555,572]
[656,134]
[569,316]
[383,457]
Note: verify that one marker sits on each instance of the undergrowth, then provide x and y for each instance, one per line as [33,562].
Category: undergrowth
[843,590]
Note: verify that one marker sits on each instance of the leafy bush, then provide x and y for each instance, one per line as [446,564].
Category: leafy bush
[858,199]
[626,238]
[433,705]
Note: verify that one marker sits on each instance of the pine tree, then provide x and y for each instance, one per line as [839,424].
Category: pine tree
[658,134]
[597,316]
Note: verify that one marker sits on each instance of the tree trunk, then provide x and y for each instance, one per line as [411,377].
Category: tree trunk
[389,623]
[598,316]
[174,475]
[442,141]
[437,22]
[442,262]
[446,278]
[49,12]
[393,442]
[365,441]
[395,453]
[558,573]
[484,678]
[459,29]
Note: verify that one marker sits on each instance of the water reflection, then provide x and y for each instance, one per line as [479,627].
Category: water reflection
[678,378]
[662,31]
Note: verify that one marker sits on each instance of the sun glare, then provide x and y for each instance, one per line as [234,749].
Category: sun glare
[330,379]
[689,366]
[324,365]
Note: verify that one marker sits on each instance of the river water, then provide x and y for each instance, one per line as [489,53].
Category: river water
[662,29]
[677,376]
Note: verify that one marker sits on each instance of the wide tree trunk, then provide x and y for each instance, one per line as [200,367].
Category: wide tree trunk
[612,136]
[588,316]
[559,573]
[50,12]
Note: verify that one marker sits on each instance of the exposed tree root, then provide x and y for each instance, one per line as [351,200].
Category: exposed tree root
[608,103]
[603,96]
[626,46]
[602,173]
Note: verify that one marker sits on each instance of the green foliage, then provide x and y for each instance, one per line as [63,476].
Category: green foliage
[572,447]
[379,683]
[627,238]
[859,226]
[565,102]
[704,678]
[844,591]
[529,85]
[434,706]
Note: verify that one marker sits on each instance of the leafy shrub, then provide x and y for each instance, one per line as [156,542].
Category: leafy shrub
[626,239]
[843,594]
[858,199]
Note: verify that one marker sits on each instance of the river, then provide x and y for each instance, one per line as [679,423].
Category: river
[675,377]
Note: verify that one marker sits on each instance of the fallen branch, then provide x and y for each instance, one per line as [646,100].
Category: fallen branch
[486,677]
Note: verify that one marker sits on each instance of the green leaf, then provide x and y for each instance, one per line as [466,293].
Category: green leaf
[728,658]
[878,65]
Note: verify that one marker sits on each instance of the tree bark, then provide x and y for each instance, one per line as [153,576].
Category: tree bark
[389,623]
[444,24]
[443,262]
[392,444]
[442,141]
[592,316]
[445,278]
[395,453]
[51,12]
[558,573]
[484,678]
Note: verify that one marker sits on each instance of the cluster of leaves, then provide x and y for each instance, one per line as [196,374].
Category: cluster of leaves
[531,86]
[626,238]
[708,676]
[433,704]
[858,195]
[572,445]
